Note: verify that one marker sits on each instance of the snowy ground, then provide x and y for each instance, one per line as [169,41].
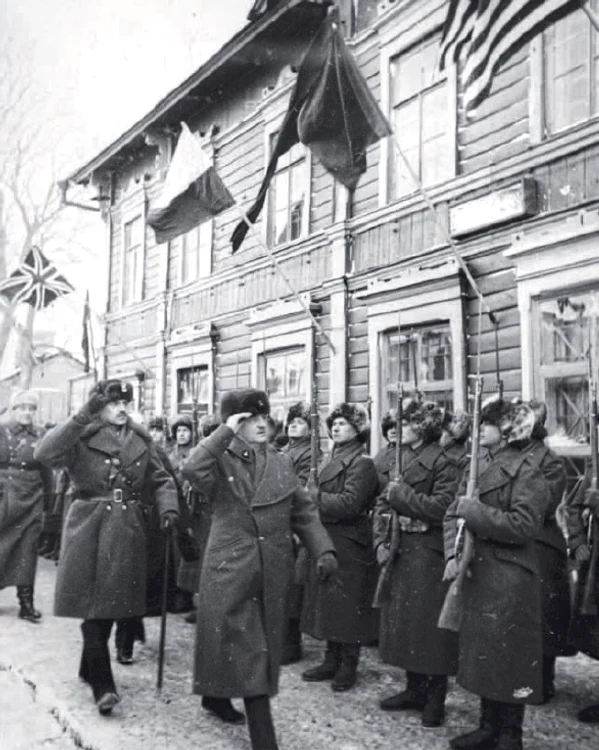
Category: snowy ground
[40,693]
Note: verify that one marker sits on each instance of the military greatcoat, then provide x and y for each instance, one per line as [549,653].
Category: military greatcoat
[343,612]
[409,636]
[25,484]
[384,462]
[501,630]
[102,566]
[257,503]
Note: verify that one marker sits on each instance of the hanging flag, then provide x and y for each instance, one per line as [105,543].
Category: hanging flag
[85,334]
[192,193]
[36,282]
[490,32]
[332,111]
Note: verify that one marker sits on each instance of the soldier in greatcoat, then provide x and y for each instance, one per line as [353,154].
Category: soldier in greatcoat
[102,568]
[454,438]
[409,637]
[342,615]
[26,486]
[299,450]
[257,504]
[551,550]
[500,656]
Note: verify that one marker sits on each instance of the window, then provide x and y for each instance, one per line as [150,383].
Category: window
[570,71]
[196,253]
[423,357]
[287,200]
[283,375]
[420,112]
[193,387]
[133,232]
[566,342]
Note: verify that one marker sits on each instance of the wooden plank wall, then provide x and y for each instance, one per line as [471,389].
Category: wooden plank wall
[358,383]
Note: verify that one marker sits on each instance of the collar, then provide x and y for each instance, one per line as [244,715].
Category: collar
[18,429]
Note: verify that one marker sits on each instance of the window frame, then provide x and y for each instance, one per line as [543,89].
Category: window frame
[198,352]
[209,228]
[132,208]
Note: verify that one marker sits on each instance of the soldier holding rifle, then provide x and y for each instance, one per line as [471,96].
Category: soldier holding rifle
[500,654]
[409,637]
[582,519]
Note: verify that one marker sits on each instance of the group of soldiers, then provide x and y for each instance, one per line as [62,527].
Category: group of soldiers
[276,541]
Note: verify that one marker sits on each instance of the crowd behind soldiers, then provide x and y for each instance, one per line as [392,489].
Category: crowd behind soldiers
[264,555]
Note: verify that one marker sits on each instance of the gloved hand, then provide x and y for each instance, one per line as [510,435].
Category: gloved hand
[582,553]
[591,500]
[95,403]
[168,519]
[326,566]
[451,570]
[382,554]
[465,502]
[314,493]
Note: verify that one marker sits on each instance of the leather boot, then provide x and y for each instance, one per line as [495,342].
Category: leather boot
[328,668]
[260,724]
[487,733]
[414,696]
[224,709]
[292,648]
[27,611]
[345,676]
[434,708]
[511,718]
[548,678]
[590,714]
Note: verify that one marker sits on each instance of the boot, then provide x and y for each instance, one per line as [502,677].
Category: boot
[328,668]
[192,617]
[434,708]
[487,733]
[292,648]
[548,678]
[27,611]
[511,718]
[260,725]
[224,709]
[124,640]
[414,696]
[590,714]
[345,676]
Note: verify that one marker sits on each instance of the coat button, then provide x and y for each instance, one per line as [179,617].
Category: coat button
[231,479]
[106,460]
[261,538]
[245,454]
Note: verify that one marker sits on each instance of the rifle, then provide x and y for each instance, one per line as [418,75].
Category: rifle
[589,600]
[451,614]
[382,593]
[312,483]
[162,642]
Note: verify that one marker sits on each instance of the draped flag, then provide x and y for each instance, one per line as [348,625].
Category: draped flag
[85,342]
[332,111]
[36,281]
[192,193]
[490,32]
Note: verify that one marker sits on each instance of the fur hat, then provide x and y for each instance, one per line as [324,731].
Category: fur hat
[355,414]
[249,400]
[493,410]
[114,390]
[301,410]
[427,421]
[458,424]
[156,423]
[21,397]
[518,423]
[388,422]
[181,420]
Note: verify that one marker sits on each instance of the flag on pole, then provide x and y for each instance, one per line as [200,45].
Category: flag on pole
[491,31]
[332,111]
[85,334]
[36,281]
[192,193]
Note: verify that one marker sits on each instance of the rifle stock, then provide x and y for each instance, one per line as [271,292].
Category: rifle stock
[451,613]
[589,598]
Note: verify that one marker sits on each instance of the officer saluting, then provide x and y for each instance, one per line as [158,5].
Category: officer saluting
[102,569]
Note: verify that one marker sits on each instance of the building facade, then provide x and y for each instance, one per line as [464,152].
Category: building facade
[516,185]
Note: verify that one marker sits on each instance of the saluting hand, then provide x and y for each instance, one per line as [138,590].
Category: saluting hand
[235,421]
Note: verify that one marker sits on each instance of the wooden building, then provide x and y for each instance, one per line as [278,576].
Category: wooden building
[516,185]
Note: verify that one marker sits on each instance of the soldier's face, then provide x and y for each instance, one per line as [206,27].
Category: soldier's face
[157,435]
[24,413]
[115,413]
[183,435]
[409,436]
[342,431]
[298,428]
[445,438]
[489,435]
[392,434]
[254,429]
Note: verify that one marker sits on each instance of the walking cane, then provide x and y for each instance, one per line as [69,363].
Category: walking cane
[167,556]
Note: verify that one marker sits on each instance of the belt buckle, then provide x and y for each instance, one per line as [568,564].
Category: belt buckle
[117,495]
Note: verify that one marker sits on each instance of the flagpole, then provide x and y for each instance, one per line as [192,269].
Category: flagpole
[446,236]
[90,330]
[592,16]
[245,218]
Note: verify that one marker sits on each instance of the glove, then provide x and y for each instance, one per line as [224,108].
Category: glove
[451,570]
[591,500]
[314,493]
[168,519]
[326,566]
[95,403]
[582,553]
[465,502]
[382,554]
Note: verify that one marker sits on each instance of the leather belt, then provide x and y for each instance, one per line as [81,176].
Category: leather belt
[115,496]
